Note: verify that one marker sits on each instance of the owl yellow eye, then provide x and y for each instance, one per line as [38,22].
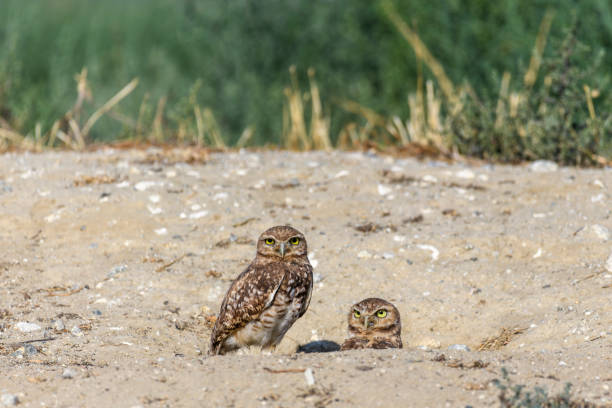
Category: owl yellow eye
[294,241]
[381,313]
[270,241]
[356,314]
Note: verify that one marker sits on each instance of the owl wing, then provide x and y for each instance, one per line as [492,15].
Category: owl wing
[382,343]
[309,278]
[249,295]
[354,343]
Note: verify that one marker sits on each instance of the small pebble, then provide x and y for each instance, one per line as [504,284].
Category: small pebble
[434,251]
[465,174]
[602,232]
[161,231]
[459,347]
[26,327]
[76,331]
[96,312]
[8,400]
[609,263]
[199,214]
[309,377]
[364,255]
[144,185]
[387,255]
[383,190]
[68,373]
[117,269]
[543,166]
[58,325]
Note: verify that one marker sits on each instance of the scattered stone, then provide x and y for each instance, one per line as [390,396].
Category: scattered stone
[197,215]
[609,263]
[76,331]
[293,183]
[465,174]
[9,400]
[598,198]
[58,325]
[96,312]
[413,220]
[434,251]
[117,269]
[144,185]
[458,347]
[26,327]
[543,166]
[5,188]
[384,190]
[387,255]
[161,231]
[364,254]
[310,380]
[602,232]
[69,373]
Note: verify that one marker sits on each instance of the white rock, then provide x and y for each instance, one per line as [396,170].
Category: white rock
[598,198]
[26,327]
[434,251]
[199,214]
[76,331]
[609,263]
[459,347]
[123,184]
[309,377]
[538,253]
[384,190]
[68,373]
[161,231]
[601,232]
[154,198]
[154,210]
[144,185]
[599,183]
[543,166]
[220,196]
[387,255]
[364,254]
[428,178]
[465,174]
[8,400]
[342,173]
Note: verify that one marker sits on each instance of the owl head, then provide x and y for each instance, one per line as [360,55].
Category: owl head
[283,242]
[374,316]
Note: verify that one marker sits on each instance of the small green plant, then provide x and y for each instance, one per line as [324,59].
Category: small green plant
[553,118]
[518,396]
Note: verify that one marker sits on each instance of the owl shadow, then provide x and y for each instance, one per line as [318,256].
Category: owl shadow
[318,346]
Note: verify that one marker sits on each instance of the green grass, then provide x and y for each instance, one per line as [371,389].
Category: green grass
[218,73]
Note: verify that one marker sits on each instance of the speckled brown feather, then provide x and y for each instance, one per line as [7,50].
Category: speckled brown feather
[267,281]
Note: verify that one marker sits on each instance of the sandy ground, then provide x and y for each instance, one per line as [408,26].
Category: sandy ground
[114,263]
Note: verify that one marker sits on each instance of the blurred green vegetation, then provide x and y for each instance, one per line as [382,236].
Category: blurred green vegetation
[232,60]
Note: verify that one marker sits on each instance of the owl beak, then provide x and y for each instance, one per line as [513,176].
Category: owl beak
[282,249]
[366,323]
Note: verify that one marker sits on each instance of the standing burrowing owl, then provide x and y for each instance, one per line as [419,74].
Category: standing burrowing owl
[373,323]
[268,297]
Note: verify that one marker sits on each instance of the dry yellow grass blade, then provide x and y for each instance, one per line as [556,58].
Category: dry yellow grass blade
[107,106]
[503,95]
[422,52]
[536,54]
[319,125]
[295,132]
